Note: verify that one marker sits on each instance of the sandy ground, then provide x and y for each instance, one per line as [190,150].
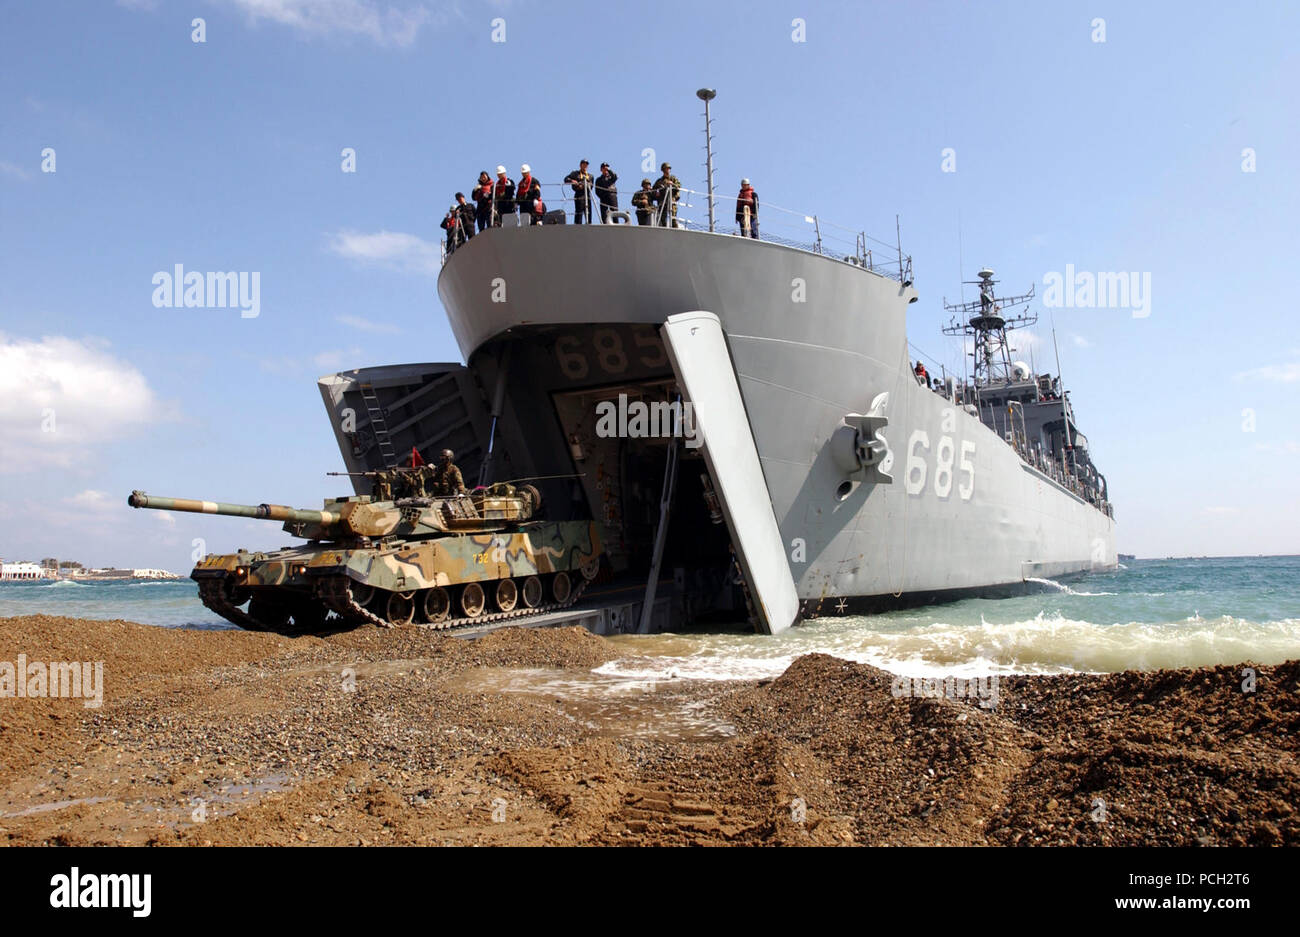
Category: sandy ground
[411,737]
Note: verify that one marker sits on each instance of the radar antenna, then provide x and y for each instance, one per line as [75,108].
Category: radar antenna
[983,319]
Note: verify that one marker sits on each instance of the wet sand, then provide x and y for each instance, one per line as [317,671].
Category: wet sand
[410,737]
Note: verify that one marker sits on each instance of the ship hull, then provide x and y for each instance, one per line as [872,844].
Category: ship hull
[810,339]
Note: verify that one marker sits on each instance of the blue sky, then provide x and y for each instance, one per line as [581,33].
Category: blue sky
[1122,155]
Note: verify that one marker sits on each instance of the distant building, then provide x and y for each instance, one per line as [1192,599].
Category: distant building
[10,572]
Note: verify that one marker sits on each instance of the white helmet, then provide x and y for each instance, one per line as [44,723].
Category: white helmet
[501,170]
[525,169]
[744,182]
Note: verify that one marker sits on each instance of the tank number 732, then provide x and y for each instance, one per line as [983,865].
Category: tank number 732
[945,452]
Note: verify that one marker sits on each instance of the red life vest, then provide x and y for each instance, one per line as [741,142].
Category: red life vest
[525,187]
[747,197]
[499,187]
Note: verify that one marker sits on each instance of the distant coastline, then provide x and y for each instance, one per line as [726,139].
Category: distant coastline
[32,572]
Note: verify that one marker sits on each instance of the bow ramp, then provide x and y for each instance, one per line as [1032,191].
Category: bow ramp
[697,348]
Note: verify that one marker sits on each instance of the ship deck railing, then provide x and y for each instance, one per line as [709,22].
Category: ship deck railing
[777,225]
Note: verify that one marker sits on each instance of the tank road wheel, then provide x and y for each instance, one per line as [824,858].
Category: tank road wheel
[561,586]
[437,605]
[361,592]
[532,592]
[472,600]
[399,608]
[590,568]
[507,595]
[269,614]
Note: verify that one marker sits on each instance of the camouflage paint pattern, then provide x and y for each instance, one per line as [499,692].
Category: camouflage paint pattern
[417,543]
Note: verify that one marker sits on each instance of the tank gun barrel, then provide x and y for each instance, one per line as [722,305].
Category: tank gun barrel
[270,512]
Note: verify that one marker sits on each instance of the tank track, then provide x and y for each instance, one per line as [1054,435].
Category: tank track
[212,593]
[336,594]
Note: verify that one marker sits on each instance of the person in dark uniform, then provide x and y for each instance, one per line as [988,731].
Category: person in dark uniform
[607,192]
[459,223]
[466,215]
[747,209]
[643,201]
[444,480]
[482,196]
[528,194]
[503,197]
[668,189]
[581,182]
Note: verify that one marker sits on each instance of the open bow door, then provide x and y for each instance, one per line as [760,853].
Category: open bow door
[698,351]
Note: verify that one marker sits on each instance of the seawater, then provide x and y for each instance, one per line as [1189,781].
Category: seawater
[1148,615]
[170,603]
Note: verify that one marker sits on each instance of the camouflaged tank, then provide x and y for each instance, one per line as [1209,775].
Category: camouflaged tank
[441,562]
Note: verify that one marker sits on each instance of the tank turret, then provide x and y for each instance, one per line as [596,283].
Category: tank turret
[482,509]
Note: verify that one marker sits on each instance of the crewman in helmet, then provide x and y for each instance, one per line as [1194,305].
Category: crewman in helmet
[528,195]
[747,210]
[922,376]
[668,190]
[444,480]
[503,197]
[643,201]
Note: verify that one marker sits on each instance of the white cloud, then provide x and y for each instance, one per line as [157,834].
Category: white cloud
[1287,373]
[365,325]
[406,252]
[11,169]
[60,398]
[1286,446]
[149,5]
[90,500]
[1080,341]
[336,359]
[388,24]
[331,359]
[1218,510]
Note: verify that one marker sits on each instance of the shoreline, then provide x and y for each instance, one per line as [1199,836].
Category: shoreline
[406,736]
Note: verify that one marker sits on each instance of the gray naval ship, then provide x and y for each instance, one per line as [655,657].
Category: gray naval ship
[743,418]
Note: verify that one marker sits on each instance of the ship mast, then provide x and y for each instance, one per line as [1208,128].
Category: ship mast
[984,320]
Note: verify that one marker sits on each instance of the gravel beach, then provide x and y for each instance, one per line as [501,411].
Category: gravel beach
[407,736]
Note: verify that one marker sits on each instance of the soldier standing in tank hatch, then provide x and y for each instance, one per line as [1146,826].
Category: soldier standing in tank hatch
[382,487]
[668,189]
[445,480]
[581,182]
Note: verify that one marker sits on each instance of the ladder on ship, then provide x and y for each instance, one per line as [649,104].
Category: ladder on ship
[378,425]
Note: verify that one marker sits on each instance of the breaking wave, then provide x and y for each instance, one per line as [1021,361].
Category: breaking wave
[1044,644]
